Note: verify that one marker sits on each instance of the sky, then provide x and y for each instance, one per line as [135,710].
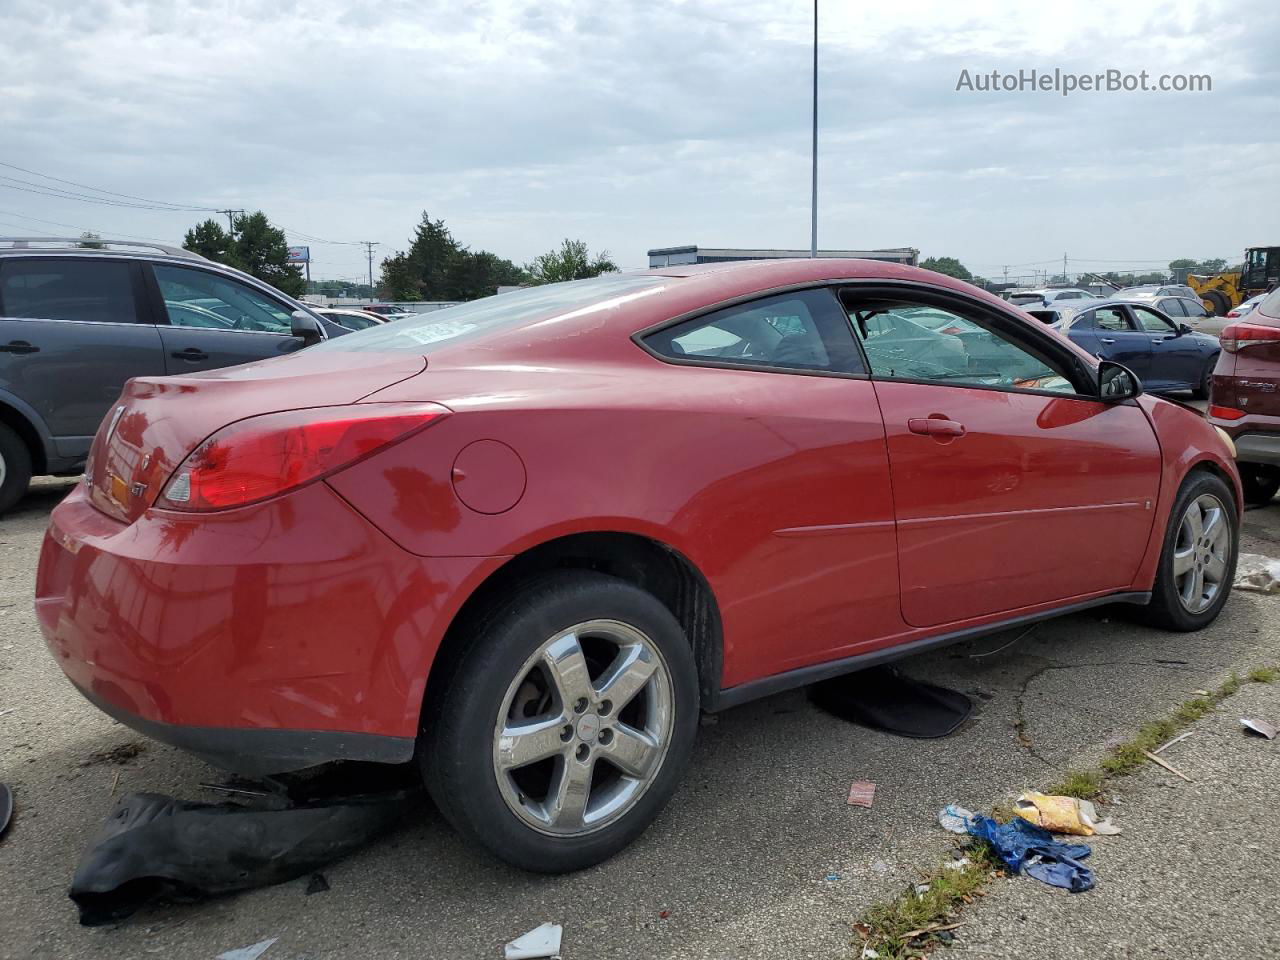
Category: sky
[633,126]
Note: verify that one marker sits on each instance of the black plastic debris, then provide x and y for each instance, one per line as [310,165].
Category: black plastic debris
[318,883]
[6,807]
[154,847]
[885,699]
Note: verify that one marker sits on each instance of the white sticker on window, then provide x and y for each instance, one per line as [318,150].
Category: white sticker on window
[435,332]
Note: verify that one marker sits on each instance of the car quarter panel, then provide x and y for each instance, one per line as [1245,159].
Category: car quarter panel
[774,485]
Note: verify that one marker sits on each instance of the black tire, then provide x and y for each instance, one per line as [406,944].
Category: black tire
[15,464]
[1206,380]
[1260,483]
[457,747]
[1216,303]
[1166,608]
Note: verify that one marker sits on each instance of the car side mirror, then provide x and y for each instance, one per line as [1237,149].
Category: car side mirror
[305,327]
[1184,328]
[1117,382]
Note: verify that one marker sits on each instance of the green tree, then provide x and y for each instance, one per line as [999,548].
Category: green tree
[948,266]
[263,251]
[210,241]
[91,240]
[437,267]
[573,261]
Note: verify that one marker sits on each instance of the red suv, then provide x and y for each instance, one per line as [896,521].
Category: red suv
[1245,397]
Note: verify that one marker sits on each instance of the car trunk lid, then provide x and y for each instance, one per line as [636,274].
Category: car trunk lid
[159,420]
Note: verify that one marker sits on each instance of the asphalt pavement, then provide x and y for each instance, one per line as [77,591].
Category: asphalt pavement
[758,855]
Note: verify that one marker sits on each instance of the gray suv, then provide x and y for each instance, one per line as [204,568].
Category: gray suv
[77,322]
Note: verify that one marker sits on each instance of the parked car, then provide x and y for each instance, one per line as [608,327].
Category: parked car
[528,539]
[1153,291]
[77,322]
[1044,297]
[1245,308]
[1245,399]
[1166,355]
[351,319]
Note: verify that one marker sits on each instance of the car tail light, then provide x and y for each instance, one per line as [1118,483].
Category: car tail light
[1225,413]
[1236,336]
[264,456]
[1233,313]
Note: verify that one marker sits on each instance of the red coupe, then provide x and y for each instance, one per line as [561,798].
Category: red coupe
[525,540]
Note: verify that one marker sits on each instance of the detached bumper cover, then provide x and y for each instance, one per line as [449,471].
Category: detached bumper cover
[265,638]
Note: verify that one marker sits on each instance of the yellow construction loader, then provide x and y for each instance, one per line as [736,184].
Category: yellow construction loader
[1223,291]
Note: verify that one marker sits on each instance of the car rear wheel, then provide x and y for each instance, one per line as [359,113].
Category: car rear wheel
[562,731]
[1260,483]
[15,468]
[1198,560]
[1206,380]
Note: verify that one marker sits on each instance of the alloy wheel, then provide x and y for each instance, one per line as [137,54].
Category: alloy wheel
[584,728]
[1201,553]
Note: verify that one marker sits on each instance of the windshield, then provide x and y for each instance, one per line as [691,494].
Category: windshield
[503,310]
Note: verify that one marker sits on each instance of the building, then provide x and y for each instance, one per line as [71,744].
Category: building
[675,256]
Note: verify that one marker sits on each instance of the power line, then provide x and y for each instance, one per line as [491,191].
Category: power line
[85,186]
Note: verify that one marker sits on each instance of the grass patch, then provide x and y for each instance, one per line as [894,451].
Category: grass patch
[1085,784]
[901,929]
[908,926]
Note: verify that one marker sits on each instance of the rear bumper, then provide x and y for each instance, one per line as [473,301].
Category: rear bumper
[271,637]
[1258,448]
[257,751]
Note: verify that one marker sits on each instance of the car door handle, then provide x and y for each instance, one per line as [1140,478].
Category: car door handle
[19,346]
[935,427]
[193,354]
[1108,339]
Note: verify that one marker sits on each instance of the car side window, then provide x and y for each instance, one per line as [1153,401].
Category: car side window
[1150,321]
[93,291]
[199,298]
[1172,306]
[908,341]
[804,331]
[1194,309]
[1111,318]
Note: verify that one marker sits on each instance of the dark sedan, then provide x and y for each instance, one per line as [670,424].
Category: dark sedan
[1166,355]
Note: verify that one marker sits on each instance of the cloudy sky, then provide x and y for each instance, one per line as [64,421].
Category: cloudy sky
[638,125]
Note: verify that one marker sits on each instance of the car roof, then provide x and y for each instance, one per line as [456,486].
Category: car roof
[75,246]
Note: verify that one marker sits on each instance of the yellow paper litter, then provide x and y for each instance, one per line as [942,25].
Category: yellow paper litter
[1062,815]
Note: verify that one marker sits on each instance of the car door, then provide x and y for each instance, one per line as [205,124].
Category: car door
[1177,359]
[1013,486]
[209,320]
[1109,333]
[71,334]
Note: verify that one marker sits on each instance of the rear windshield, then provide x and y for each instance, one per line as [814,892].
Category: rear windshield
[1271,305]
[1019,299]
[518,308]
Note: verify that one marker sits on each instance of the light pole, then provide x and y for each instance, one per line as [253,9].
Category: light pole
[813,224]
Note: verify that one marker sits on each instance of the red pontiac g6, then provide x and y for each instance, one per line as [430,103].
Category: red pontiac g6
[527,539]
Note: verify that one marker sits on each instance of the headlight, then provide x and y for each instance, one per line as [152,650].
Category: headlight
[1227,440]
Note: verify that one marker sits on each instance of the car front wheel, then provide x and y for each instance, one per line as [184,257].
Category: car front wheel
[15,468]
[562,731]
[1198,560]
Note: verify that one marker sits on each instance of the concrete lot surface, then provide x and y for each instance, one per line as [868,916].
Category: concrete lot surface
[758,855]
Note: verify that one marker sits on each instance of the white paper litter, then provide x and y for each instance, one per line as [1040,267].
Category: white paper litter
[540,943]
[1260,727]
[251,952]
[1257,573]
[955,818]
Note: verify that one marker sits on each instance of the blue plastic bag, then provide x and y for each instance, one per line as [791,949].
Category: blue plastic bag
[1018,841]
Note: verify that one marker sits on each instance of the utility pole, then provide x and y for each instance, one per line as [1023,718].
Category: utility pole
[1006,275]
[813,226]
[231,223]
[369,245]
[1064,268]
